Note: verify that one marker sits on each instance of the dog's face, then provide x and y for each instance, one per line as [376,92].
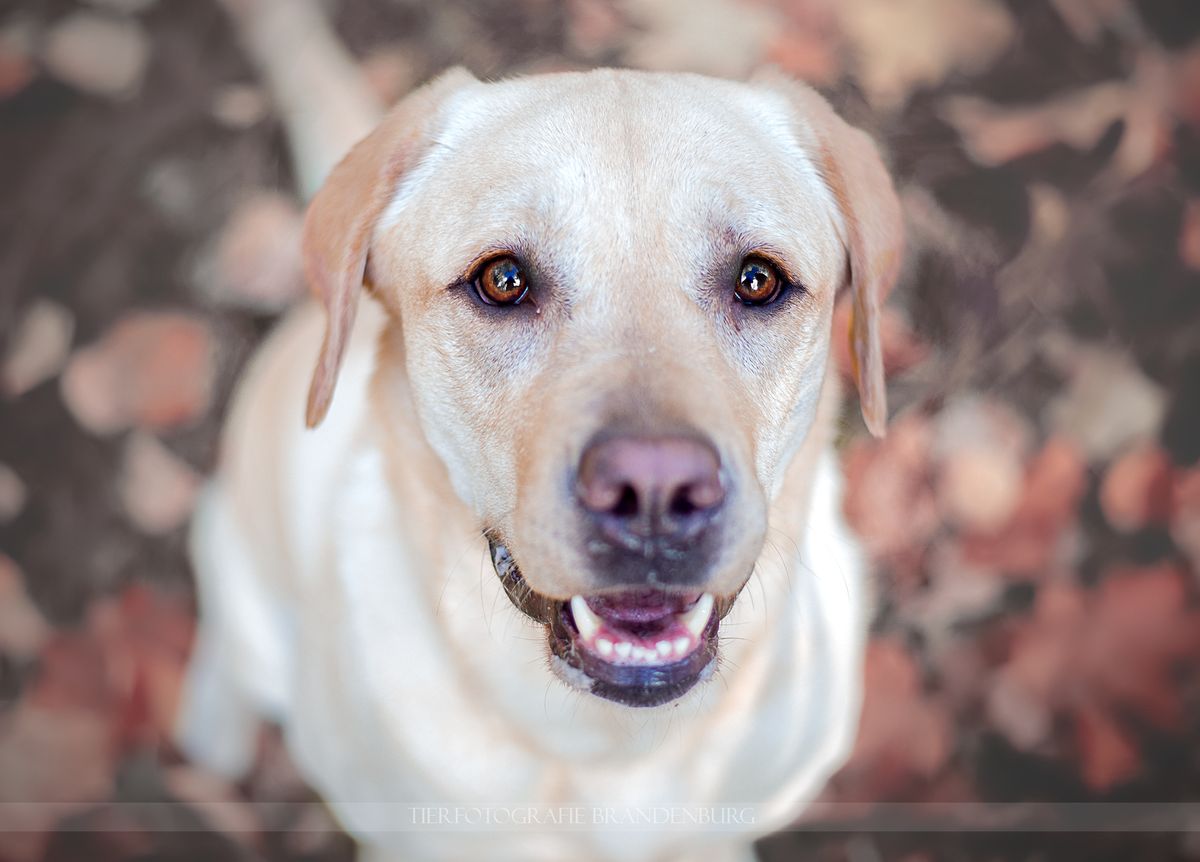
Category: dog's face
[615,293]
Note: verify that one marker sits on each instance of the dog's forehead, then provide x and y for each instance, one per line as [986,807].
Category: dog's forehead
[622,112]
[619,152]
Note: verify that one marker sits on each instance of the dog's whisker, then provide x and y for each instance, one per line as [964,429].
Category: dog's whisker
[483,611]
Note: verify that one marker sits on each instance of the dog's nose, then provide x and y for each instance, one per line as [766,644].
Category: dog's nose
[650,488]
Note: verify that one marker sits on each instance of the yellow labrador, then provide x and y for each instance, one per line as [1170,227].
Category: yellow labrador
[567,534]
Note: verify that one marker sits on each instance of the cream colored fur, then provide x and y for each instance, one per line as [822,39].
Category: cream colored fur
[344,582]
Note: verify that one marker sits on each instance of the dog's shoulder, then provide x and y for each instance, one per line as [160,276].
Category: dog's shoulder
[275,473]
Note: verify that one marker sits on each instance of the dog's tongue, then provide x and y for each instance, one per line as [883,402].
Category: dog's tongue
[641,606]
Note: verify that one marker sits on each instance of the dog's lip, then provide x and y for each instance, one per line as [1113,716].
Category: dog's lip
[627,680]
[637,647]
[645,628]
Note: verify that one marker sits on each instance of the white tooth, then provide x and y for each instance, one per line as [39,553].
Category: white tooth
[585,620]
[697,616]
[682,644]
[663,647]
[623,648]
[638,654]
[605,646]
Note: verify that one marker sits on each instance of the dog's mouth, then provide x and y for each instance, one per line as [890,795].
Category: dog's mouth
[638,647]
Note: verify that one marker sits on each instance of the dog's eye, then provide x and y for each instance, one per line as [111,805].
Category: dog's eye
[501,281]
[759,282]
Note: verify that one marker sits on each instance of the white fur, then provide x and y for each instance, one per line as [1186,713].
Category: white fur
[398,687]
[369,623]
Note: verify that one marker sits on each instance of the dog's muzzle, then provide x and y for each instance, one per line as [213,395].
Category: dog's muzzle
[638,647]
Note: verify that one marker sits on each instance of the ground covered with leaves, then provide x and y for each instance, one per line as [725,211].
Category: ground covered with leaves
[1033,516]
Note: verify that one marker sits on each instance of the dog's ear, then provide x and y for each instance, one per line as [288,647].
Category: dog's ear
[343,214]
[850,163]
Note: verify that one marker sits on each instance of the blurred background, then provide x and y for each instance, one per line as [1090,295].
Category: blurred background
[1033,516]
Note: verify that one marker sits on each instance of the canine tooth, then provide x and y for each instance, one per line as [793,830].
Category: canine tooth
[697,617]
[623,648]
[682,644]
[663,647]
[585,620]
[605,646]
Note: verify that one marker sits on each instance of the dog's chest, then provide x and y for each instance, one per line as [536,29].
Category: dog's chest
[422,684]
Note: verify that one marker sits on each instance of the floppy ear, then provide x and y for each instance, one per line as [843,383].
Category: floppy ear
[343,214]
[850,163]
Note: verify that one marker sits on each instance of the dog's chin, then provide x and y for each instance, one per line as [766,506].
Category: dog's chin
[638,647]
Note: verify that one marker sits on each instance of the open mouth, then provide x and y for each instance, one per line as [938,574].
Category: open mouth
[638,647]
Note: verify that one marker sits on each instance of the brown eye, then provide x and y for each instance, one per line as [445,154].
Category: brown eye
[759,282]
[501,281]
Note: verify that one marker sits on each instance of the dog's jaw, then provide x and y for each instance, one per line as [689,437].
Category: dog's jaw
[640,649]
[630,680]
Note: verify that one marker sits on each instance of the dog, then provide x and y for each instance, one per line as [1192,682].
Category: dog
[563,529]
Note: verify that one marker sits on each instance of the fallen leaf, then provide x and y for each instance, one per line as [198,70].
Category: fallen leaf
[1189,236]
[998,134]
[72,675]
[1107,403]
[1043,656]
[39,347]
[1136,490]
[1024,695]
[98,54]
[391,72]
[16,59]
[239,106]
[1140,627]
[145,637]
[1186,86]
[957,592]
[1115,652]
[218,801]
[1040,536]
[1056,481]
[53,763]
[173,185]
[902,737]
[1185,515]
[1088,20]
[978,490]
[979,450]
[255,261]
[12,494]
[901,45]
[971,422]
[156,489]
[1148,122]
[151,370]
[314,834]
[724,38]
[889,498]
[594,27]
[23,630]
[809,46]
[1109,756]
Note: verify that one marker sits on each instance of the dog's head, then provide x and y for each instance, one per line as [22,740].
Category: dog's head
[615,292]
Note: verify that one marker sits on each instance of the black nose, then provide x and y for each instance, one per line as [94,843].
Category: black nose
[650,496]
